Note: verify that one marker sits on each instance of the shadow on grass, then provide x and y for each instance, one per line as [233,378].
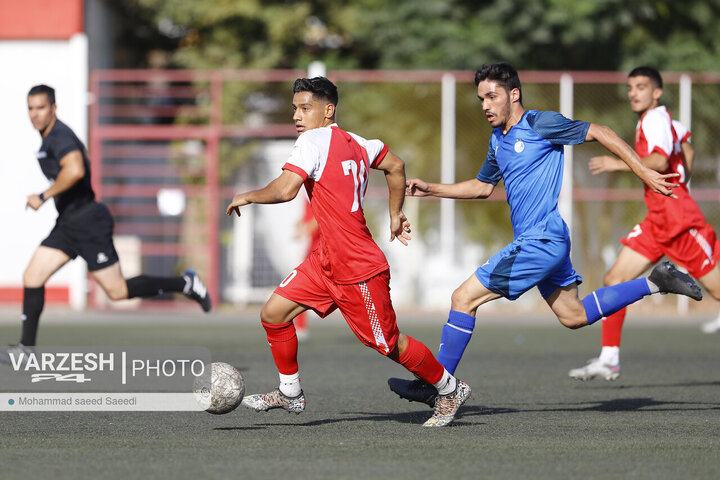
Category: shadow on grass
[615,405]
[616,386]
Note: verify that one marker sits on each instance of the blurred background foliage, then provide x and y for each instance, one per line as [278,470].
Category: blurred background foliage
[436,34]
[439,35]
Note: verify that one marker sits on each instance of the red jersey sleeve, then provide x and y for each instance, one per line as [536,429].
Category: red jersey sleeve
[379,157]
[305,156]
[657,130]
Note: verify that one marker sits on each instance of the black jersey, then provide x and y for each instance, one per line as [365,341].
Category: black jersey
[59,142]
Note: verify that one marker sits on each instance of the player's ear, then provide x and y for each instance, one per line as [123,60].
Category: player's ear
[329,111]
[515,95]
[657,93]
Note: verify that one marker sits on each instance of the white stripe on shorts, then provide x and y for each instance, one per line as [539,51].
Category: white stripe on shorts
[373,316]
[704,244]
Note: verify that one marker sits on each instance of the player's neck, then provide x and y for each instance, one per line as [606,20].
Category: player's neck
[516,114]
[46,131]
[651,107]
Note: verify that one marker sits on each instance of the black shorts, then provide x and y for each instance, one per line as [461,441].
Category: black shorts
[88,232]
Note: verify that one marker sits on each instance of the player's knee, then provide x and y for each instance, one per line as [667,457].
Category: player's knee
[461,300]
[265,315]
[31,279]
[117,293]
[28,279]
[269,315]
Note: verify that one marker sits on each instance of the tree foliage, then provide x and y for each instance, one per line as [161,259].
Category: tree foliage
[430,34]
[440,34]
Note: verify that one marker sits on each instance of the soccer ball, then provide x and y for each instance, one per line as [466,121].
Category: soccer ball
[222,390]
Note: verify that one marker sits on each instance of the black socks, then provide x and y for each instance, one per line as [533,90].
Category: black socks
[33,304]
[147,286]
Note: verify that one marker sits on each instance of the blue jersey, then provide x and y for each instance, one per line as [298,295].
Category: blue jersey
[529,159]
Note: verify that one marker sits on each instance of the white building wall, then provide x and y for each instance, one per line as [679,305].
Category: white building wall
[61,64]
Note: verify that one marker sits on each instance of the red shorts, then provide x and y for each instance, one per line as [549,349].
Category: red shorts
[366,306]
[696,249]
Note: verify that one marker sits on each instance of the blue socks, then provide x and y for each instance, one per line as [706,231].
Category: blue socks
[455,337]
[605,301]
[608,300]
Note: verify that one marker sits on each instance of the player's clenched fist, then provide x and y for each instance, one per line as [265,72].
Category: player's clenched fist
[416,188]
[34,201]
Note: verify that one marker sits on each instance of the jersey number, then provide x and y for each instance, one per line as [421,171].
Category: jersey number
[350,168]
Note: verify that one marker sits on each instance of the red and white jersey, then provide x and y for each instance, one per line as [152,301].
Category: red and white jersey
[657,132]
[335,166]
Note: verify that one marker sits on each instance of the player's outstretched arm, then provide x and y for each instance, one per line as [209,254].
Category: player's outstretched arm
[283,189]
[469,189]
[72,170]
[394,169]
[657,182]
[607,163]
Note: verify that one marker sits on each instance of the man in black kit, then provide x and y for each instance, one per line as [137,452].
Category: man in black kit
[84,227]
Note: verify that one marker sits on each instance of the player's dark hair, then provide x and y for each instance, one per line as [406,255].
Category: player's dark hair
[503,73]
[320,87]
[649,72]
[49,91]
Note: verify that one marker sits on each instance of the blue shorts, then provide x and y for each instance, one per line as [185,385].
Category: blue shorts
[529,262]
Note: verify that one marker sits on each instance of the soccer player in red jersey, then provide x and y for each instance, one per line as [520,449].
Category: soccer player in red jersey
[348,270]
[673,226]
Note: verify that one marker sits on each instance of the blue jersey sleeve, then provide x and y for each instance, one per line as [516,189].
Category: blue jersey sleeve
[490,172]
[558,129]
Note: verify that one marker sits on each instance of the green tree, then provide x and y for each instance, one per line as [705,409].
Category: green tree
[442,34]
[431,34]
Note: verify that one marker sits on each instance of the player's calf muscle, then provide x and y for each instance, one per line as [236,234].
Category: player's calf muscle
[574,322]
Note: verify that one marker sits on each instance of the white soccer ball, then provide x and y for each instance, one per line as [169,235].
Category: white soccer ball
[222,390]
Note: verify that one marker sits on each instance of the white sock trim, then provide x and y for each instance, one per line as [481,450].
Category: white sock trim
[469,332]
[447,383]
[290,384]
[610,355]
[597,302]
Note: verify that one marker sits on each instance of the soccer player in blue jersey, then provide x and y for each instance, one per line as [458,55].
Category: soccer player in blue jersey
[526,152]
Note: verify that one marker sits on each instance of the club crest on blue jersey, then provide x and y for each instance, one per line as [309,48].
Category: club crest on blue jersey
[519,146]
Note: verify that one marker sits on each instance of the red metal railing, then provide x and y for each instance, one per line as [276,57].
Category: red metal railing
[132,117]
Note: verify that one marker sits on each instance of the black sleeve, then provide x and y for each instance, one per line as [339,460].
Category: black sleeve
[63,143]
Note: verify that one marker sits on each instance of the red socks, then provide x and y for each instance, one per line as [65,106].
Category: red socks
[300,321]
[419,360]
[612,329]
[283,345]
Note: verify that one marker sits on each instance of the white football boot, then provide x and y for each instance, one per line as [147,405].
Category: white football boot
[596,368]
[446,406]
[262,402]
[712,326]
